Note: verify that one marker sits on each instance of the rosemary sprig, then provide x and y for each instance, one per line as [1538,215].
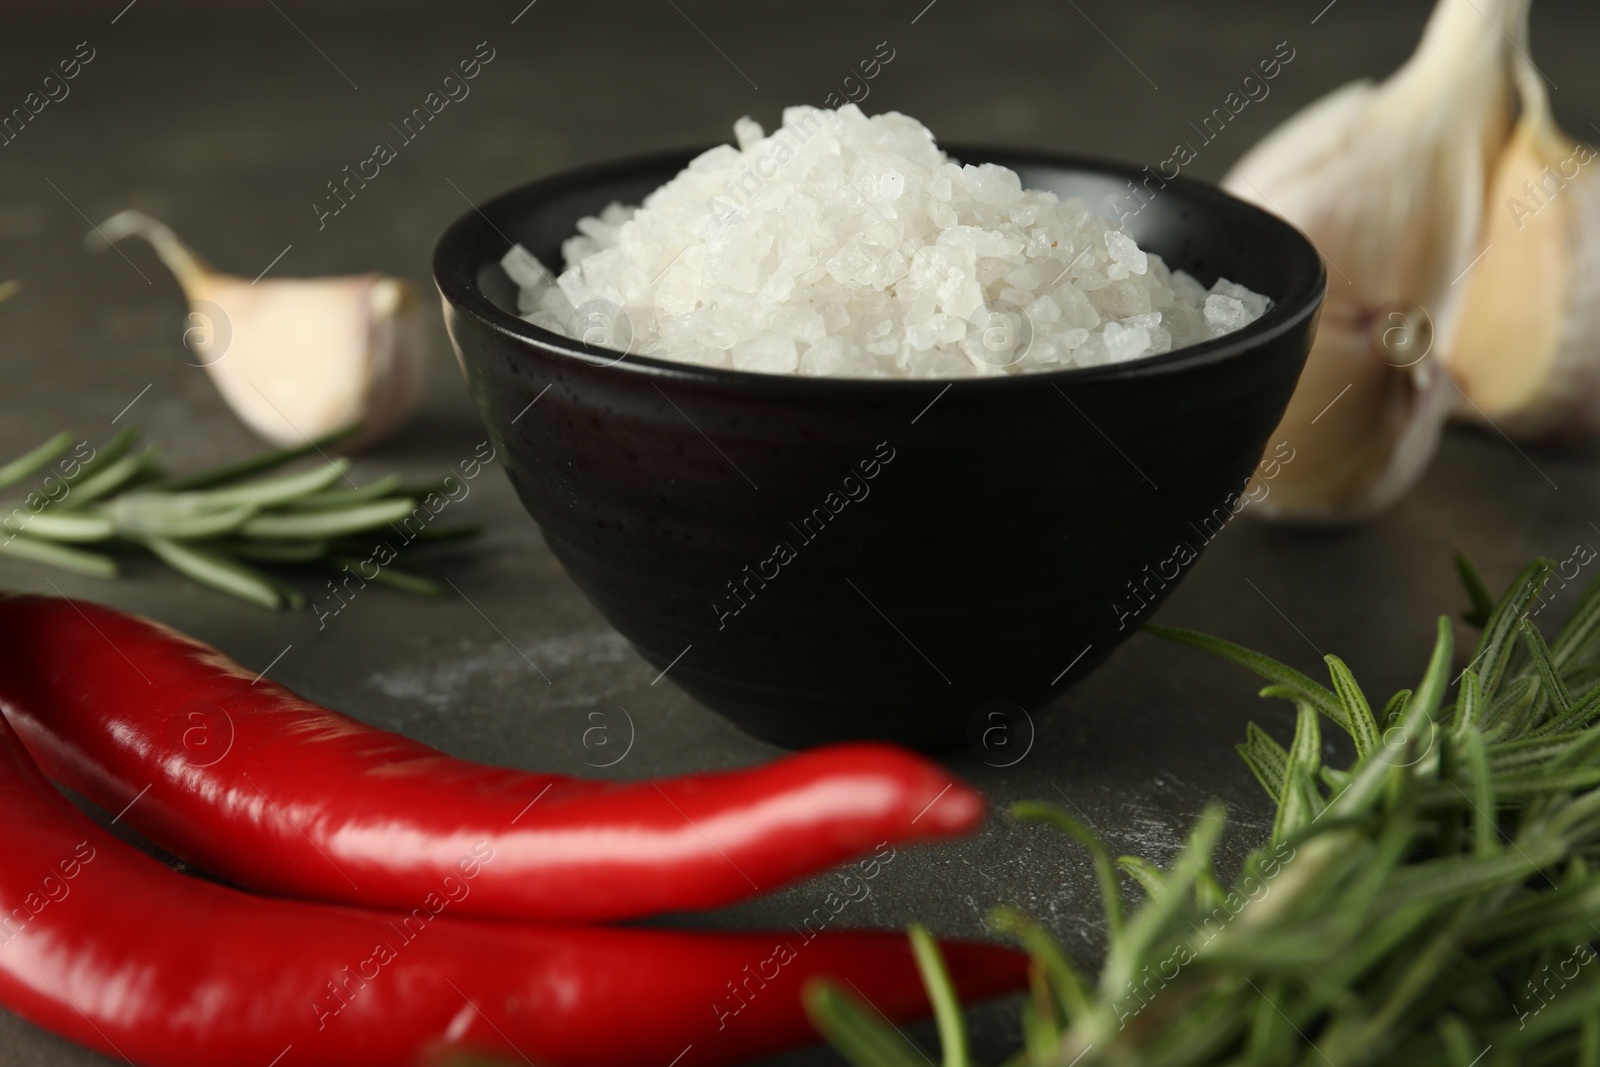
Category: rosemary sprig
[216,526]
[1431,905]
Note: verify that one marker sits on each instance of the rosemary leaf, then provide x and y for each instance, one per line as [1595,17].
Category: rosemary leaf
[35,460]
[268,492]
[1583,712]
[1306,752]
[391,576]
[1478,594]
[111,477]
[274,551]
[1394,710]
[218,571]
[1266,759]
[173,516]
[1550,682]
[1469,704]
[70,526]
[1270,669]
[104,456]
[333,499]
[299,526]
[1485,830]
[1358,713]
[946,1006]
[256,464]
[1499,633]
[1296,808]
[1582,628]
[1071,991]
[1105,869]
[92,564]
[1429,695]
[851,1027]
[1148,875]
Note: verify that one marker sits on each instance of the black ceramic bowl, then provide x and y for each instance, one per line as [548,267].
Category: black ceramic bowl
[819,559]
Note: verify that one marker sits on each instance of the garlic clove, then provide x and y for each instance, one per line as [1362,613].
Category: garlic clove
[297,358]
[1526,348]
[1388,181]
[1363,422]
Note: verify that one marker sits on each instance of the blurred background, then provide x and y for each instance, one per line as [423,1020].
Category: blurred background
[228,121]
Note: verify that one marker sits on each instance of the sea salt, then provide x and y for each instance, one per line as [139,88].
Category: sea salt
[849,246]
[1224,314]
[772,352]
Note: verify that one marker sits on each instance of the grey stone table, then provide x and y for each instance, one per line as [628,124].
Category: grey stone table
[227,123]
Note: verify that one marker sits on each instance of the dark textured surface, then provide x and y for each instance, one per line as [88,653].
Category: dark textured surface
[227,122]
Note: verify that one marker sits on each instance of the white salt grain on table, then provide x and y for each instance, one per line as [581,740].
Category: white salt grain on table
[848,246]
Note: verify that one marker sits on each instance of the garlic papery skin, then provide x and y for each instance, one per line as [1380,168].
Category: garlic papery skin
[1525,350]
[297,358]
[1388,181]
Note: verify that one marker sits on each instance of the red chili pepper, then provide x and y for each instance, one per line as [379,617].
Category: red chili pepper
[272,792]
[105,946]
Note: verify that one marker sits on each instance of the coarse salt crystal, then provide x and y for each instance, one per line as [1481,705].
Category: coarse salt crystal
[1254,303]
[1225,314]
[1124,343]
[522,268]
[747,132]
[771,353]
[1126,252]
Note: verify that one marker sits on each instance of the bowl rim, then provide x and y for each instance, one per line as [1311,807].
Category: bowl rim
[458,258]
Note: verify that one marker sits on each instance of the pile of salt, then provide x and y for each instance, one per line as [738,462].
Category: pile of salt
[849,246]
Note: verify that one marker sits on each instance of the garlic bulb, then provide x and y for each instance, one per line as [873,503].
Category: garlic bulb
[1388,181]
[1526,349]
[296,358]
